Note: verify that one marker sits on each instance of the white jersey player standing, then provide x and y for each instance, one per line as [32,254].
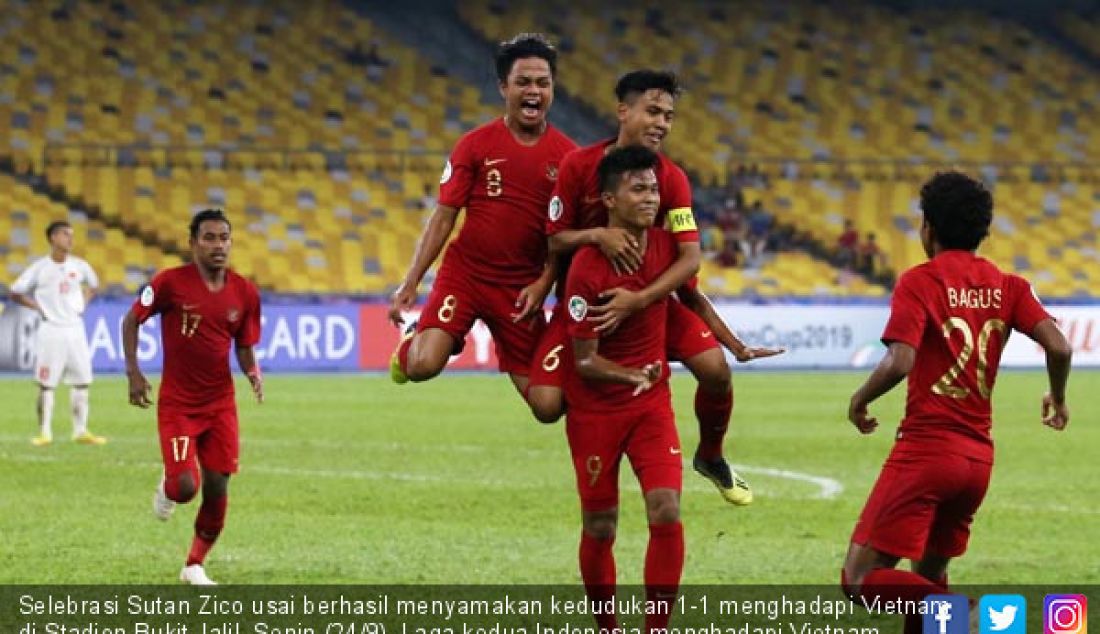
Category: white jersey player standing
[58,287]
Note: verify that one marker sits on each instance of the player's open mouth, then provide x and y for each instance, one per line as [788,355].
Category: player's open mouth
[654,138]
[530,108]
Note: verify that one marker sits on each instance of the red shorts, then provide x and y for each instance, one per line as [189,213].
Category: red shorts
[553,353]
[212,436]
[686,332]
[598,441]
[457,300]
[923,503]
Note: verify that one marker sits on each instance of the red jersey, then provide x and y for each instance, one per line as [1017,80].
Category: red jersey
[504,187]
[577,205]
[197,326]
[638,341]
[956,311]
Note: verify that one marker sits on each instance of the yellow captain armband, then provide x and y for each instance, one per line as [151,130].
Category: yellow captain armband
[680,220]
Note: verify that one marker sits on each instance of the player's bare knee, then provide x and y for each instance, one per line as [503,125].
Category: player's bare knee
[711,371]
[547,409]
[601,525]
[186,488]
[426,362]
[662,506]
[215,487]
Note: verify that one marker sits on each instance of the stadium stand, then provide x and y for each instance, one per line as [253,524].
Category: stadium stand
[811,80]
[877,107]
[25,216]
[1083,27]
[323,134]
[291,75]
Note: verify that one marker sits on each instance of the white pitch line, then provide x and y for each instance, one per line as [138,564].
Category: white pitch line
[828,488]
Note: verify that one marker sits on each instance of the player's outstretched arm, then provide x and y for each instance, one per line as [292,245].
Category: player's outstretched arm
[1059,356]
[700,304]
[138,385]
[246,358]
[431,242]
[594,367]
[621,303]
[894,367]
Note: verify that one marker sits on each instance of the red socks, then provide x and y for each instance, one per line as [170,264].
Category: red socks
[598,572]
[208,525]
[664,563]
[713,413]
[890,585]
[403,353]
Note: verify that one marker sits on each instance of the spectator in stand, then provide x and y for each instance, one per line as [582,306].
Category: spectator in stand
[735,234]
[871,258]
[761,222]
[428,201]
[847,245]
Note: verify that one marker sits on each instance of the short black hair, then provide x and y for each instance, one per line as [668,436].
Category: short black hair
[628,158]
[958,208]
[56,225]
[522,46]
[637,82]
[205,215]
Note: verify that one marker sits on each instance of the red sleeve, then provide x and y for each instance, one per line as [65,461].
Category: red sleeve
[1027,310]
[153,297]
[582,289]
[676,197]
[908,316]
[249,333]
[457,181]
[562,211]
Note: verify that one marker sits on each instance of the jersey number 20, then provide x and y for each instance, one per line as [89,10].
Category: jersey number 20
[946,385]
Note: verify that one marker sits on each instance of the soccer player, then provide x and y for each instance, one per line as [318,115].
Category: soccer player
[949,321]
[502,173]
[204,307]
[58,287]
[577,217]
[618,394]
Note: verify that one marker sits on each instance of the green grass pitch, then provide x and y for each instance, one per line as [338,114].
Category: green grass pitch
[350,479]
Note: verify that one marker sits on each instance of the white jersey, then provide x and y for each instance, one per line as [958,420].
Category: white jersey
[58,288]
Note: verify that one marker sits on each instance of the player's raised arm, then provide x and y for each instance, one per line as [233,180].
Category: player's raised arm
[1059,355]
[439,228]
[138,385]
[699,304]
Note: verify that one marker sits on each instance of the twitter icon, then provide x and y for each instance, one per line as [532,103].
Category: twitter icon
[1003,614]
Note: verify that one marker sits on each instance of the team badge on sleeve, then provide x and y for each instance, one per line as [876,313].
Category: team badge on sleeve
[555,209]
[146,297]
[446,173]
[681,220]
[578,308]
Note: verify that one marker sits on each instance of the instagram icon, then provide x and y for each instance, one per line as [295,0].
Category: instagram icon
[1065,614]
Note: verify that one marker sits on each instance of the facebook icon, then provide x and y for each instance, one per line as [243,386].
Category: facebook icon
[946,614]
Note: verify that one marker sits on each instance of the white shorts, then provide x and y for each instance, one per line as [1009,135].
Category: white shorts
[62,350]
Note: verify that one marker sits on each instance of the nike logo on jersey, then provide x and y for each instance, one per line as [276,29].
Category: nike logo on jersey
[489,162]
[675,451]
[706,333]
